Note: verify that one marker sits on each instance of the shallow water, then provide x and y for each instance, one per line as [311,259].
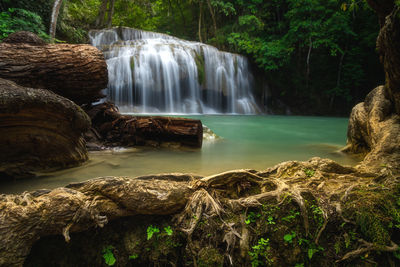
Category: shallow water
[250,142]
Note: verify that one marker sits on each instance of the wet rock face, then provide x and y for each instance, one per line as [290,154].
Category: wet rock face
[39,130]
[374,131]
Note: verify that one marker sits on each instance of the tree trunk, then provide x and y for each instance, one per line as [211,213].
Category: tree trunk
[212,17]
[200,15]
[78,72]
[110,13]
[181,12]
[389,51]
[308,62]
[39,131]
[114,129]
[339,77]
[54,16]
[102,13]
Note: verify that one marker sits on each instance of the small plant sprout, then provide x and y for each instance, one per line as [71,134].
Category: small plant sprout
[289,237]
[151,230]
[168,230]
[309,172]
[260,254]
[252,217]
[108,255]
[134,256]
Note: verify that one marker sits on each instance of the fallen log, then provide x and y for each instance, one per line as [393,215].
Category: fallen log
[39,131]
[114,129]
[77,72]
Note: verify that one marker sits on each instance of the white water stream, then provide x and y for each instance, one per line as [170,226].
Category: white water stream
[157,73]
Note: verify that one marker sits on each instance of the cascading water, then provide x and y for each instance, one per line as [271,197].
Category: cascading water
[157,73]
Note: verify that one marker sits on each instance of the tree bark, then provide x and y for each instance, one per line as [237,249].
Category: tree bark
[212,17]
[387,45]
[200,15]
[39,131]
[308,62]
[102,12]
[110,13]
[54,17]
[114,129]
[78,72]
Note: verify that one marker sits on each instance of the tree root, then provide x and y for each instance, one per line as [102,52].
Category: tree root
[367,247]
[29,216]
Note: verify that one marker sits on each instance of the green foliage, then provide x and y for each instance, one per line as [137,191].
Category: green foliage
[168,230]
[309,172]
[292,215]
[16,19]
[310,247]
[108,255]
[325,47]
[317,215]
[151,230]
[134,256]
[261,253]
[252,217]
[289,237]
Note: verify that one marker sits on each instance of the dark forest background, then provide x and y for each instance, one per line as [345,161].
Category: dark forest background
[314,56]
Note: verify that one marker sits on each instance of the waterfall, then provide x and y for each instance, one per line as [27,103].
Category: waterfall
[156,73]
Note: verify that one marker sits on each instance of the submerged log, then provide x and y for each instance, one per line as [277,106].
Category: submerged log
[77,72]
[39,130]
[114,129]
[207,215]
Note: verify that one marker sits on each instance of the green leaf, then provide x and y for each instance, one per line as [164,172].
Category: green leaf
[109,256]
[168,230]
[133,256]
[151,231]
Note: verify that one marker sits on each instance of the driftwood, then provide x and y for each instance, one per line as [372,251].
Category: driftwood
[114,129]
[27,217]
[77,72]
[39,130]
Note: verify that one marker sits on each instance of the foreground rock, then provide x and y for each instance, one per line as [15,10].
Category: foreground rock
[316,212]
[110,128]
[77,72]
[374,132]
[39,130]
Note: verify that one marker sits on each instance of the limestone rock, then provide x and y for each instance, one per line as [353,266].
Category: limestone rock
[39,130]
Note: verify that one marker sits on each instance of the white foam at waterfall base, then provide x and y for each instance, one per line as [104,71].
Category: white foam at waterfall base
[157,73]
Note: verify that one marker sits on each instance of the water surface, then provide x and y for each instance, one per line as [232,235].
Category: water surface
[248,142]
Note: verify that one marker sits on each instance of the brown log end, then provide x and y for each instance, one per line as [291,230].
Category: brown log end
[39,131]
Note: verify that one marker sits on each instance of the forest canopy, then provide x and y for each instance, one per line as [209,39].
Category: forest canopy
[317,56]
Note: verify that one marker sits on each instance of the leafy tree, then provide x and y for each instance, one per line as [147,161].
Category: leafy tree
[16,19]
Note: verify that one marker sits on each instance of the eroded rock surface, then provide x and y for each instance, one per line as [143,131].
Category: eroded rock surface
[39,130]
[374,132]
